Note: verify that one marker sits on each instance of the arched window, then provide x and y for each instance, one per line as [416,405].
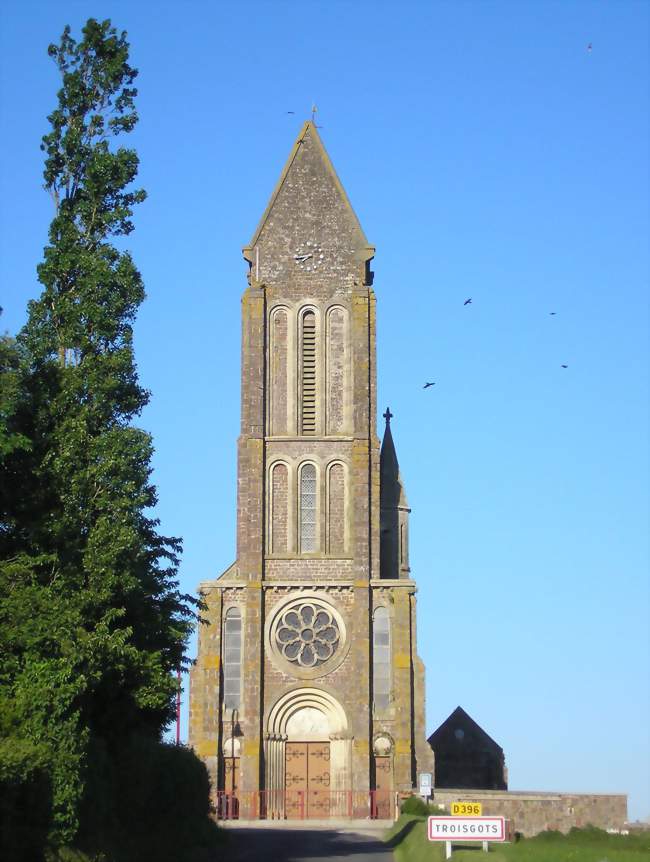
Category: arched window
[336,509]
[232,659]
[381,658]
[337,371]
[308,533]
[308,374]
[279,509]
[278,371]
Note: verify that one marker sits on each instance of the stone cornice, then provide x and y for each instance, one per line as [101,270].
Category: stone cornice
[394,582]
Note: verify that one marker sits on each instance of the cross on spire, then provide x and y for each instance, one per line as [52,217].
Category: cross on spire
[388,416]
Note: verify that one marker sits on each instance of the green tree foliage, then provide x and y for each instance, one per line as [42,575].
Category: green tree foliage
[10,378]
[92,623]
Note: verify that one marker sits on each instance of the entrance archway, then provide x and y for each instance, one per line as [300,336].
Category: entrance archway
[307,755]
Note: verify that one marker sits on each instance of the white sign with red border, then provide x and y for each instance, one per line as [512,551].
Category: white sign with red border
[467,829]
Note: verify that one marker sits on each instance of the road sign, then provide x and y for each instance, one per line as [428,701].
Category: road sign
[466,809]
[467,829]
[426,781]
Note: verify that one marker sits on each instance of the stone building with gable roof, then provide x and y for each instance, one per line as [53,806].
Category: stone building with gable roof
[307,696]
[466,756]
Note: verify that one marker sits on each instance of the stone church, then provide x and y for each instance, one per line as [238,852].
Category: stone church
[307,696]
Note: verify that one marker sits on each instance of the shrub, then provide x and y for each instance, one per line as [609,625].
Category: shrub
[25,800]
[151,802]
[416,805]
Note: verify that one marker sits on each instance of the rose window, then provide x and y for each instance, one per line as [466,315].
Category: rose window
[307,634]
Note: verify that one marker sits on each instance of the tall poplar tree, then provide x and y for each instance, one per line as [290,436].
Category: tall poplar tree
[92,623]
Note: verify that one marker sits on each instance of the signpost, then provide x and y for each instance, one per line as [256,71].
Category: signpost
[426,784]
[449,829]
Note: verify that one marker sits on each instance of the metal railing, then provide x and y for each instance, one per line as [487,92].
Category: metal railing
[305,804]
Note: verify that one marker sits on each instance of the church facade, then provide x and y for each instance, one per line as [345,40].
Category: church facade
[307,695]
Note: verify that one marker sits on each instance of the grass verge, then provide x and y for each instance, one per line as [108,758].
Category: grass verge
[408,839]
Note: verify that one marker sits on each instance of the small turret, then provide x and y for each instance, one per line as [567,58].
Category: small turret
[394,523]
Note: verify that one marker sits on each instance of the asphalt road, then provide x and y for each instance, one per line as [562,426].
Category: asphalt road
[304,845]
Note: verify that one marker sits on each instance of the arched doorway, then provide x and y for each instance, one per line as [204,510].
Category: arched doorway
[307,750]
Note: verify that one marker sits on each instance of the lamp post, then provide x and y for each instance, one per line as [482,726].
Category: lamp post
[178,707]
[232,745]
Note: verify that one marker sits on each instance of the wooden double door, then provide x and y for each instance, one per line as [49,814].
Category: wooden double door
[307,777]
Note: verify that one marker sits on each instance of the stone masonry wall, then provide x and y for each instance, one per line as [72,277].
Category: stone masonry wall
[319,569]
[531,813]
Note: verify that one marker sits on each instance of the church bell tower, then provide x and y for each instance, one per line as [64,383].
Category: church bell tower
[307,696]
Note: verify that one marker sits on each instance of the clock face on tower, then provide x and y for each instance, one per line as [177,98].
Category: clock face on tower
[308,256]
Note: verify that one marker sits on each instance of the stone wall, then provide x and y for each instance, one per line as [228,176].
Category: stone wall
[531,813]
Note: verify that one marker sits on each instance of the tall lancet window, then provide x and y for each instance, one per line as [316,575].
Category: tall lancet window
[278,371]
[308,374]
[336,509]
[308,536]
[279,509]
[232,659]
[381,658]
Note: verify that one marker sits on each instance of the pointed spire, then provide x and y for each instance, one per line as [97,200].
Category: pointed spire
[394,511]
[308,203]
[392,489]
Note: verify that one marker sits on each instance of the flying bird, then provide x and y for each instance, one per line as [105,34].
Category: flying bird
[426,385]
[564,366]
[291,112]
[468,301]
[552,313]
[589,48]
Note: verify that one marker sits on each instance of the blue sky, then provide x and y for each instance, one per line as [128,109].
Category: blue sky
[488,154]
